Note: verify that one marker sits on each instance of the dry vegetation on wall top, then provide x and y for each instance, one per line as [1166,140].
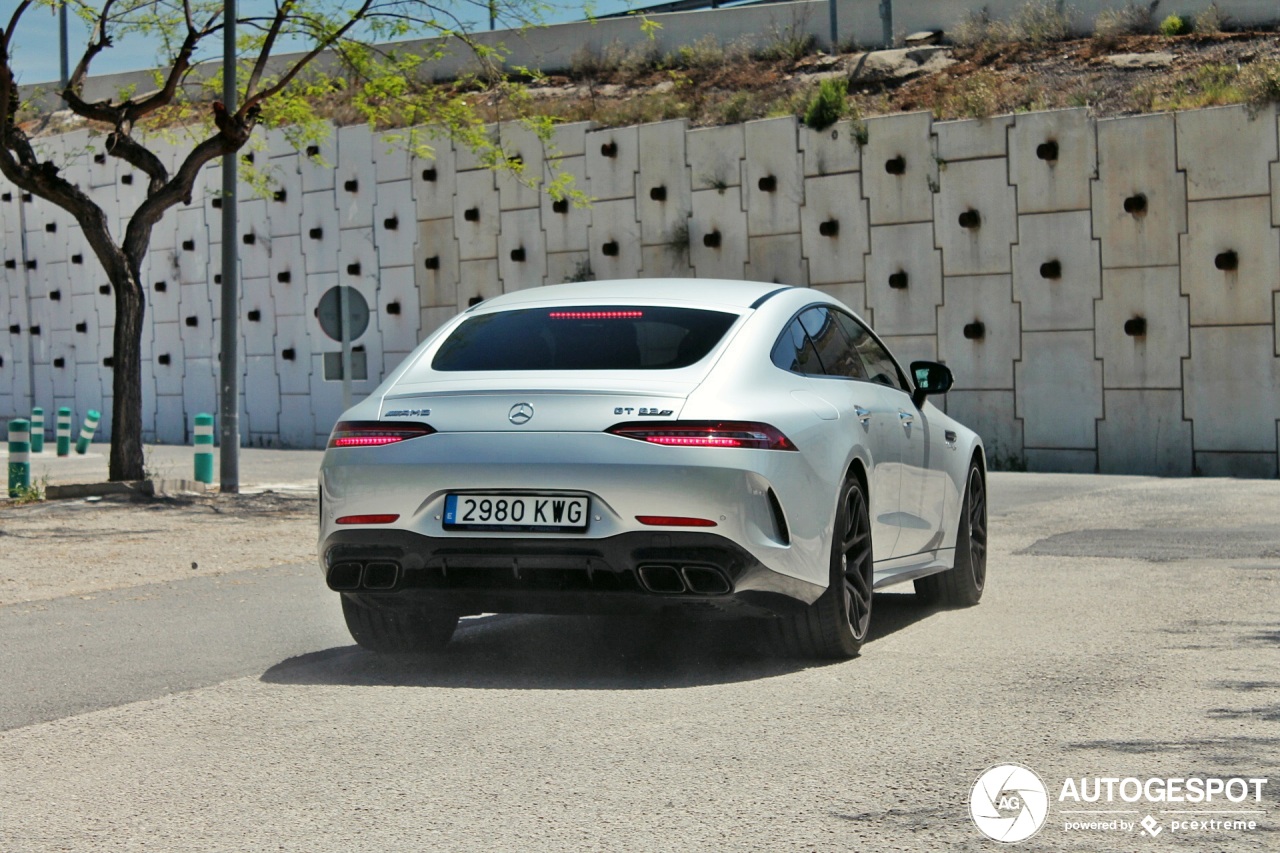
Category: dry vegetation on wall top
[1112,75]
[981,68]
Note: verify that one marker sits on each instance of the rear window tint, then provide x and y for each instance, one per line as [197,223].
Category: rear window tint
[607,337]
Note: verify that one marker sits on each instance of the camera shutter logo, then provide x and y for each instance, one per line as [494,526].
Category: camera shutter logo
[1009,803]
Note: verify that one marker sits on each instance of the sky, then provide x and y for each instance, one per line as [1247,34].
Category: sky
[36,46]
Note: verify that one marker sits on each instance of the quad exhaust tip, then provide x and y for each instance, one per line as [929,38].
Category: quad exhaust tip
[376,576]
[693,580]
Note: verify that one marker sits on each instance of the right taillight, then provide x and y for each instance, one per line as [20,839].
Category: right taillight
[375,433]
[740,434]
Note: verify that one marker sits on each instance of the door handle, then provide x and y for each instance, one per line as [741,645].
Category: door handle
[861,414]
[906,418]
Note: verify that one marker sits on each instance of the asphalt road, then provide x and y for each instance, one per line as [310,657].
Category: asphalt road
[1131,628]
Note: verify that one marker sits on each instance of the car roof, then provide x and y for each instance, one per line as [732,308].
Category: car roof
[703,292]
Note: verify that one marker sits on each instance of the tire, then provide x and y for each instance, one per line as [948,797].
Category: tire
[391,632]
[962,584]
[835,626]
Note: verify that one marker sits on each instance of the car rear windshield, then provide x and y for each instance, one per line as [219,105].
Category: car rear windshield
[606,337]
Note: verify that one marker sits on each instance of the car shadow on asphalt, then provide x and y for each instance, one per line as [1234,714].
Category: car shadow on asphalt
[583,653]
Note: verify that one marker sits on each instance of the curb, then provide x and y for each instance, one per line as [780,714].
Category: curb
[146,488]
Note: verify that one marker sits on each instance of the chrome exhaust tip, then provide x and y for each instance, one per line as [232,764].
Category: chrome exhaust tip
[664,580]
[704,580]
[380,575]
[343,577]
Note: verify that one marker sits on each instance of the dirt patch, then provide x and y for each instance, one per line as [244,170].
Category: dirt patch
[58,548]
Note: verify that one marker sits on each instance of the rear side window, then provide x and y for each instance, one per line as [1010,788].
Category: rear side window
[605,337]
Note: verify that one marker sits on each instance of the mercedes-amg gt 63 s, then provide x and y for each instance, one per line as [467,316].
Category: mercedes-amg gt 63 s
[620,446]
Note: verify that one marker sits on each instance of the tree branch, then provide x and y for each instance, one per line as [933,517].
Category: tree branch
[252,100]
[136,154]
[282,12]
[178,189]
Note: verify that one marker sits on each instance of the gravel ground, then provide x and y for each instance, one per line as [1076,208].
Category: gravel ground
[78,547]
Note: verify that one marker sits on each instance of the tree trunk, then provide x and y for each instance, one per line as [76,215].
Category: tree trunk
[126,381]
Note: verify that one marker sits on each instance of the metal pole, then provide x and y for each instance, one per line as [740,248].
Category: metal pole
[230,365]
[831,9]
[886,18]
[62,36]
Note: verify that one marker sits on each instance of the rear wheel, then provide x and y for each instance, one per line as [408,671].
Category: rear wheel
[962,584]
[835,626]
[388,631]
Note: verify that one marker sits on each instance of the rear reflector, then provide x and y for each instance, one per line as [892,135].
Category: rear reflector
[741,434]
[366,519]
[375,433]
[674,521]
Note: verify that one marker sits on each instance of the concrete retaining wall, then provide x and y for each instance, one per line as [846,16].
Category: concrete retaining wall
[1105,291]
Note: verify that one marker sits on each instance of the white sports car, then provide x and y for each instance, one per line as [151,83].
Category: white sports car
[618,446]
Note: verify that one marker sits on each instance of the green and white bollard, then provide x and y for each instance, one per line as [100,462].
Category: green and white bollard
[204,448]
[19,457]
[86,432]
[64,431]
[37,429]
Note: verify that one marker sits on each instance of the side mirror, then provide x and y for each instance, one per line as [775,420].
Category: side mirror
[930,377]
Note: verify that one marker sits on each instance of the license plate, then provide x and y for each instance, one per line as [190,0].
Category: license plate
[544,513]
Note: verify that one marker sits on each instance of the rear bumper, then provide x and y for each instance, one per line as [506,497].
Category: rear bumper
[628,572]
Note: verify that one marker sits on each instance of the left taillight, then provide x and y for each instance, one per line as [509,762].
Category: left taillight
[743,434]
[375,433]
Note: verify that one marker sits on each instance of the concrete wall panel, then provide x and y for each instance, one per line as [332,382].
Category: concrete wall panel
[391,156]
[356,177]
[853,294]
[1040,459]
[261,384]
[257,317]
[718,233]
[568,266]
[1144,433]
[317,166]
[398,311]
[715,156]
[613,158]
[972,139]
[564,222]
[773,178]
[435,181]
[477,281]
[779,258]
[1149,352]
[990,414]
[614,237]
[981,307]
[475,219]
[435,265]
[664,183]
[1053,158]
[1229,385]
[522,253]
[394,224]
[519,186]
[904,279]
[320,235]
[287,272]
[1230,261]
[285,199]
[831,151]
[1226,151]
[293,363]
[899,168]
[1059,390]
[976,217]
[834,225]
[1056,271]
[1139,197]
[665,261]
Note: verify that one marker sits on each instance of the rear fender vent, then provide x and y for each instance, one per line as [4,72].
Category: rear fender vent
[779,519]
